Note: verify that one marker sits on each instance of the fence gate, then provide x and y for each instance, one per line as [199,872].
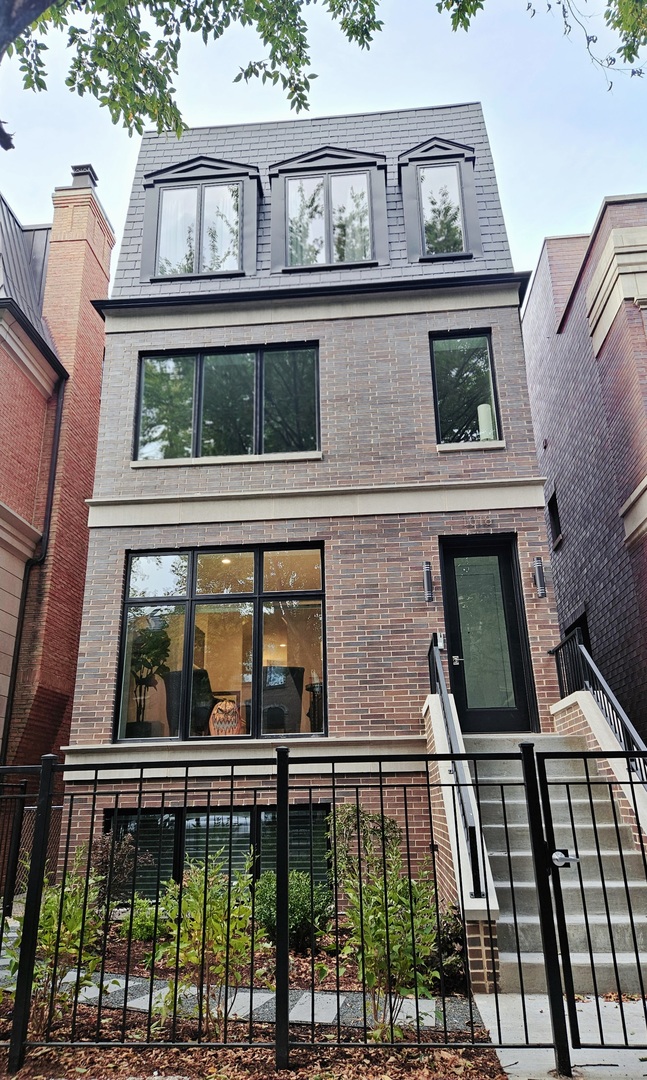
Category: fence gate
[594,811]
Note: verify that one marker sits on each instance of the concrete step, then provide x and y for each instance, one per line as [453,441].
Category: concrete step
[598,809]
[596,974]
[509,744]
[524,933]
[615,863]
[594,897]
[515,837]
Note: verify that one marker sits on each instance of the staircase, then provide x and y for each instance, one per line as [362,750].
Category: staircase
[605,898]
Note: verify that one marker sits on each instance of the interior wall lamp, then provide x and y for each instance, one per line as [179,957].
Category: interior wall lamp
[538,575]
[426,575]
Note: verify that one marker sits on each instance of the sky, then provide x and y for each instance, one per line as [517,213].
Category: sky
[561,140]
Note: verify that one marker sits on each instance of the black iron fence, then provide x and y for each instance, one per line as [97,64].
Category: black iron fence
[286,903]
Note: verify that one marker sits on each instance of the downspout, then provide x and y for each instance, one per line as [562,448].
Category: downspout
[37,560]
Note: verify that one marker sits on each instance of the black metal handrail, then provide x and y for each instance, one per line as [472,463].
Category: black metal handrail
[576,670]
[464,783]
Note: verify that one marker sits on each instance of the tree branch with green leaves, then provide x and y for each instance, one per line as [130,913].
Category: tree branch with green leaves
[125,52]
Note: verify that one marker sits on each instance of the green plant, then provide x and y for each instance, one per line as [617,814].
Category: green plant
[68,950]
[207,921]
[140,924]
[391,917]
[309,907]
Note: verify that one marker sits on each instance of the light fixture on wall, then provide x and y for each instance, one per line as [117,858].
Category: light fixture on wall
[426,574]
[538,575]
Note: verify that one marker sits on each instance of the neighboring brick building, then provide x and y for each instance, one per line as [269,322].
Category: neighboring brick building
[585,334]
[314,383]
[51,350]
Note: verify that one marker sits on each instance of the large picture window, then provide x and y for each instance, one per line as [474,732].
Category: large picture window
[199,230]
[260,401]
[464,389]
[223,643]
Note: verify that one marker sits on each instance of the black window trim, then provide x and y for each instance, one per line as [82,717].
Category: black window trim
[198,383]
[328,228]
[117,815]
[438,152]
[447,335]
[324,162]
[192,599]
[201,172]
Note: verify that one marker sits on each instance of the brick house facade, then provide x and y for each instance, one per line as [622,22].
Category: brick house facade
[585,334]
[51,351]
[368,250]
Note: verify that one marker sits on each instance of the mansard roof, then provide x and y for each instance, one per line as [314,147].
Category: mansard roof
[23,262]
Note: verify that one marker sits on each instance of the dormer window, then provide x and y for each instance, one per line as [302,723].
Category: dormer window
[328,219]
[329,209]
[439,197]
[441,212]
[200,219]
[199,230]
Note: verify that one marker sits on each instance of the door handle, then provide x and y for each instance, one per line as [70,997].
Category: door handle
[563,858]
[456,660]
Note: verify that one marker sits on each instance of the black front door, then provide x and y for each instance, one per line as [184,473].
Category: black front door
[483,620]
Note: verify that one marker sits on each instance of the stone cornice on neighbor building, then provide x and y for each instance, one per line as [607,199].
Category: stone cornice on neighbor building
[361,501]
[17,536]
[620,274]
[36,361]
[634,513]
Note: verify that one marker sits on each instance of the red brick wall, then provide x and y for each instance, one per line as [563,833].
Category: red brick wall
[590,420]
[25,446]
[378,623]
[77,272]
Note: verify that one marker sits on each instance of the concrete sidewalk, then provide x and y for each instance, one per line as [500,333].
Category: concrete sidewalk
[598,1021]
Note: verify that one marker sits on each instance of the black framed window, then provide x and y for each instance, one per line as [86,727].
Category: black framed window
[223,643]
[164,840]
[200,219]
[328,219]
[553,518]
[464,388]
[329,210]
[219,404]
[441,210]
[439,198]
[199,229]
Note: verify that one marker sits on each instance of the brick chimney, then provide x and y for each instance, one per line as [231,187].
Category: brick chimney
[78,271]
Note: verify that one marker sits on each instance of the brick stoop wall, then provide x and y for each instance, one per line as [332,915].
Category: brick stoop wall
[579,714]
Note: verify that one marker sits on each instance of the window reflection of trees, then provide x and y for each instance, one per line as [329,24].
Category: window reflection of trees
[463,384]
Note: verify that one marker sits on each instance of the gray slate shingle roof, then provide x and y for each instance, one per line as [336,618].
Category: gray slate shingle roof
[266,144]
[23,262]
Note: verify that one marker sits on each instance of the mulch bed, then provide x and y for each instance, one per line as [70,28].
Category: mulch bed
[316,1061]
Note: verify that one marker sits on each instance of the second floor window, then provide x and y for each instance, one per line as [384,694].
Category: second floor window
[328,219]
[199,230]
[464,391]
[220,404]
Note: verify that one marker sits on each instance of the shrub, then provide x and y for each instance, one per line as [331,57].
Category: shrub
[140,924]
[69,943]
[310,908]
[207,921]
[391,917]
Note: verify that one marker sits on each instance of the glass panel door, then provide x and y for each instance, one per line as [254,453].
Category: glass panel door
[484,631]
